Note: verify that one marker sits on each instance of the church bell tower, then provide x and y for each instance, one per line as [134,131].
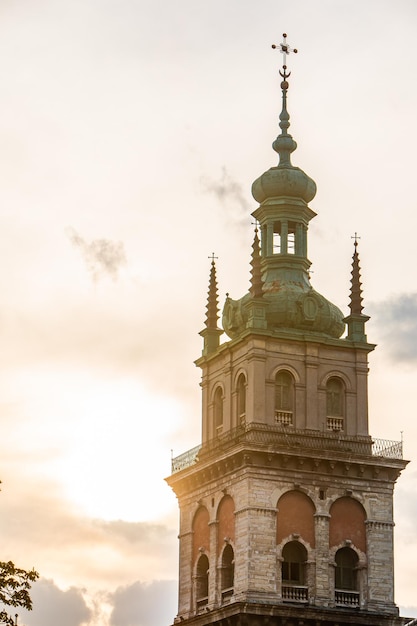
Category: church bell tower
[286,506]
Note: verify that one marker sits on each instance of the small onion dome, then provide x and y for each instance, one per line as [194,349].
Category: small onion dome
[290,182]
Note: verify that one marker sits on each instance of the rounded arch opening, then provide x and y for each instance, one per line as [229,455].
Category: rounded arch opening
[218,409]
[294,558]
[241,398]
[346,570]
[295,517]
[284,398]
[201,532]
[335,403]
[226,522]
[227,569]
[347,523]
[202,580]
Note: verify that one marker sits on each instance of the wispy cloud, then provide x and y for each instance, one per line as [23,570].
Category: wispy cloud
[228,190]
[397,320]
[101,256]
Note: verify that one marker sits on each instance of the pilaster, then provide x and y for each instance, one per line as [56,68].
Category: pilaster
[323,567]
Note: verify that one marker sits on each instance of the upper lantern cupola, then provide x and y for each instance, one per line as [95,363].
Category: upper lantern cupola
[289,301]
[284,179]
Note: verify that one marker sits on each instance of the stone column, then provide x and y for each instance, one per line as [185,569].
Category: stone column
[214,585]
[311,365]
[379,539]
[269,239]
[362,396]
[262,562]
[322,578]
[185,582]
[284,237]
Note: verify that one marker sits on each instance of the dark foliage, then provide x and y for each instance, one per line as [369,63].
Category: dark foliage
[15,584]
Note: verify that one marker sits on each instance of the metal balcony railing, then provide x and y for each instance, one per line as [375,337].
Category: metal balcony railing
[285,438]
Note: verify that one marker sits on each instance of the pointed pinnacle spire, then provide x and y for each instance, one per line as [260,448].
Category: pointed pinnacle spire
[356,320]
[256,276]
[211,333]
[356,299]
[212,315]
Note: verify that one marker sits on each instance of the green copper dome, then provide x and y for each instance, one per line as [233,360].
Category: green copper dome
[285,179]
[291,307]
[285,295]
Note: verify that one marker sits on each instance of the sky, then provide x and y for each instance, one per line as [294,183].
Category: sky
[130,134]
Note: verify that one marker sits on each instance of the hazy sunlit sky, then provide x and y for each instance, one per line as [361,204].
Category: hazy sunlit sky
[130,134]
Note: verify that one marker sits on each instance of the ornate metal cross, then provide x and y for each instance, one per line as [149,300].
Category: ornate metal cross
[285,49]
[355,237]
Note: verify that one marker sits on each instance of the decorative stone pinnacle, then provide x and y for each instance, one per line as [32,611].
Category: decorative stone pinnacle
[212,301]
[256,276]
[356,286]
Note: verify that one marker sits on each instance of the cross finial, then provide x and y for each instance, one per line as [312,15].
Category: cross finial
[212,257]
[285,49]
[355,237]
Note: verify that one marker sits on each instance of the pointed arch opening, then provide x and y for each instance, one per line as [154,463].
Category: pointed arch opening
[284,398]
[202,581]
[293,572]
[335,404]
[241,398]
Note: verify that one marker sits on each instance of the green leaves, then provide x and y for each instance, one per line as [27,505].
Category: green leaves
[15,584]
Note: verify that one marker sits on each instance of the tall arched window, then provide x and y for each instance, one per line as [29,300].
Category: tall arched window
[335,404]
[346,578]
[202,574]
[227,572]
[346,564]
[218,410]
[294,558]
[284,398]
[241,398]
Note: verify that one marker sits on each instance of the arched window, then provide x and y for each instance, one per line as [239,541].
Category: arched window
[346,569]
[202,575]
[294,557]
[241,398]
[228,572]
[335,404]
[218,410]
[284,398]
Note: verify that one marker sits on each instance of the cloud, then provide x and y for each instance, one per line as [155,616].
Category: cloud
[52,606]
[136,604]
[228,190]
[397,322]
[142,604]
[40,526]
[101,256]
